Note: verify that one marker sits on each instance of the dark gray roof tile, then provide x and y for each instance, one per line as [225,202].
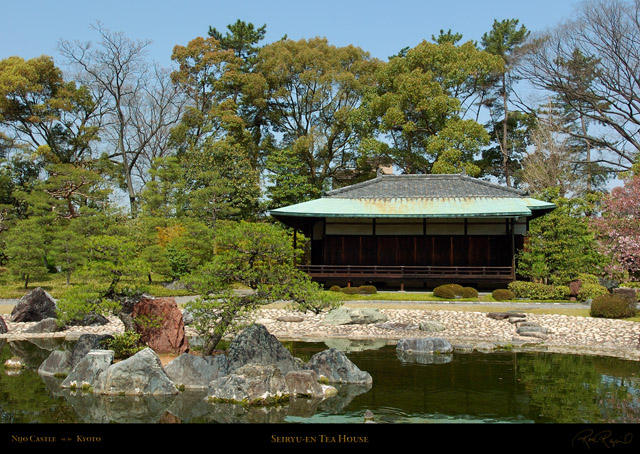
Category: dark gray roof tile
[424,186]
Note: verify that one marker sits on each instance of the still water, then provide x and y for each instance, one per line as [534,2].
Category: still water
[462,388]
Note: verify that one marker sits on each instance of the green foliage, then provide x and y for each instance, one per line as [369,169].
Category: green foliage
[26,250]
[612,306]
[335,288]
[253,266]
[503,294]
[591,291]
[125,344]
[308,296]
[468,292]
[561,244]
[79,301]
[447,291]
[533,290]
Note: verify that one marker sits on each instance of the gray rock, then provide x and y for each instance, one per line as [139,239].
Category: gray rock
[86,343]
[3,327]
[303,383]
[335,367]
[89,370]
[535,334]
[58,363]
[531,329]
[252,383]
[255,345]
[196,372]
[48,325]
[485,347]
[141,374]
[34,307]
[91,319]
[354,316]
[463,348]
[424,345]
[431,326]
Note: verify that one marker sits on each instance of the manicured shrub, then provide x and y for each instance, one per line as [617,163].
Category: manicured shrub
[368,290]
[335,288]
[561,292]
[539,291]
[612,306]
[469,292]
[350,290]
[444,291]
[503,294]
[591,291]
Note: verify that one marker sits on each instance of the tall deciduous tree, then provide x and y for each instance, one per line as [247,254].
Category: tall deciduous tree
[138,101]
[590,63]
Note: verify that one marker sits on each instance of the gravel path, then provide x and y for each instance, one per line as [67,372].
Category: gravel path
[565,334]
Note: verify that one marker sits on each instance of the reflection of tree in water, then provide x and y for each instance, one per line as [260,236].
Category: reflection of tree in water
[576,389]
[24,397]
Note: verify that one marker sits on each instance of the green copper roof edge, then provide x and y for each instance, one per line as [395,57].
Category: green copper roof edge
[395,216]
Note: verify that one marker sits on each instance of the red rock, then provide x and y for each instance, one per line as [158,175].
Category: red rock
[160,323]
[575,286]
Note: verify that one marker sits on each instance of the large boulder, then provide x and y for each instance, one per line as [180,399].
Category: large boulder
[160,324]
[333,366]
[86,343]
[48,325]
[88,372]
[353,316]
[196,372]
[34,307]
[255,345]
[58,363]
[141,374]
[252,384]
[304,383]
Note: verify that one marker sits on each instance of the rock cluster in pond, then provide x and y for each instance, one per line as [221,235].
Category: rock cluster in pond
[256,369]
[35,306]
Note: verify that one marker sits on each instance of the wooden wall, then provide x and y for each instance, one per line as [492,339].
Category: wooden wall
[416,250]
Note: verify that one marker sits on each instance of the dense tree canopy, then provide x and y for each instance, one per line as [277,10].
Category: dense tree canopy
[238,126]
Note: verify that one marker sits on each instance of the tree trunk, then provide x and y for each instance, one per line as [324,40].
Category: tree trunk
[505,144]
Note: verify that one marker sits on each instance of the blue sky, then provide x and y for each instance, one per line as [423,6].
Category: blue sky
[34,27]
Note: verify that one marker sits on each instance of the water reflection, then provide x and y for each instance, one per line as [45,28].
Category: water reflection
[469,387]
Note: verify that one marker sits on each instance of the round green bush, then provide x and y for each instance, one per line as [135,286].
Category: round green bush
[502,294]
[335,288]
[444,291]
[591,291]
[350,290]
[612,306]
[368,289]
[469,292]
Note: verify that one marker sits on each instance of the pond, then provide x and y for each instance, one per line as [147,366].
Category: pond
[504,387]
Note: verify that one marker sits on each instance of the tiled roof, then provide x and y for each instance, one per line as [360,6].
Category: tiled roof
[423,186]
